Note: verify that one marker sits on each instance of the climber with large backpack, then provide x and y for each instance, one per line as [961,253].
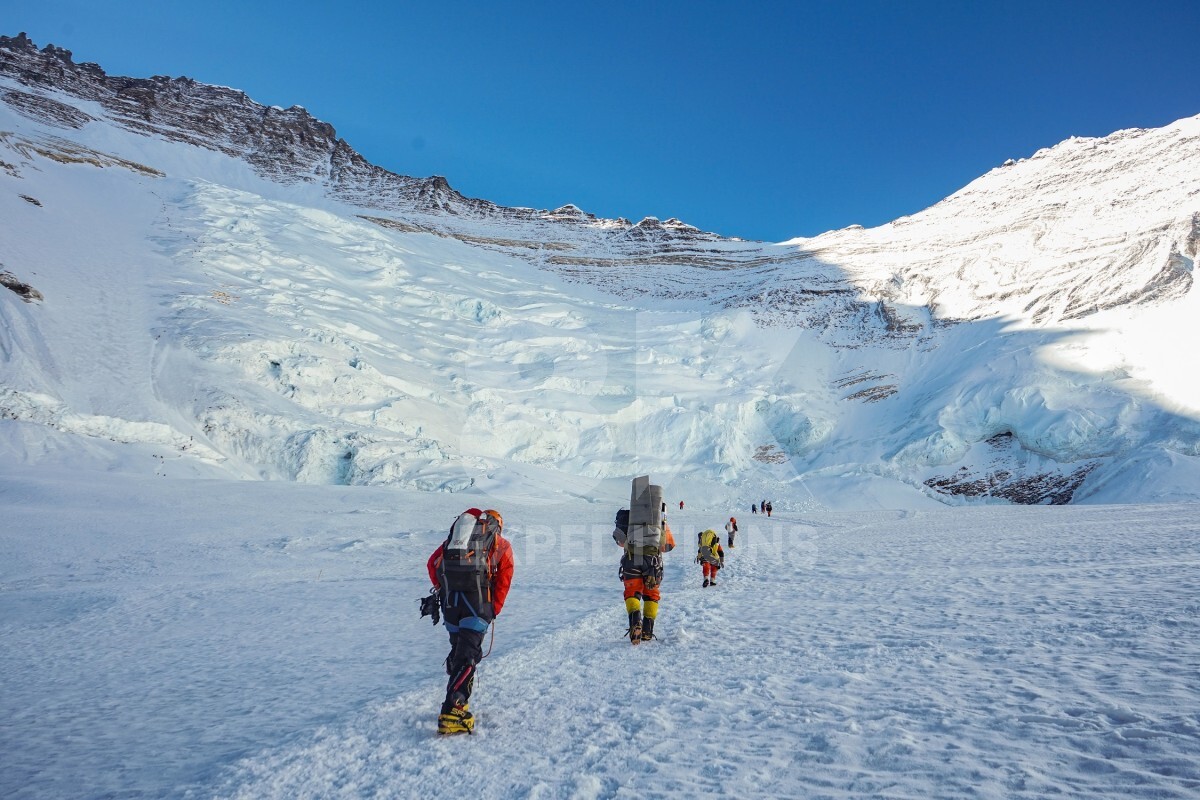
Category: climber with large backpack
[709,555]
[471,572]
[642,531]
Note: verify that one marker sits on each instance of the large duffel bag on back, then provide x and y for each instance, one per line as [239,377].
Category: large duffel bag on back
[645,518]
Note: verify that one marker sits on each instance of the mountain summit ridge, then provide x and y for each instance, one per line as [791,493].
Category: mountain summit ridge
[284,145]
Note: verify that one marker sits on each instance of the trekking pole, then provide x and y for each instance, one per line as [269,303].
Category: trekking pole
[475,695]
[475,678]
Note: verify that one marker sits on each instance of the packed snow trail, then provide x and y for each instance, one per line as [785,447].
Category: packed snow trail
[986,653]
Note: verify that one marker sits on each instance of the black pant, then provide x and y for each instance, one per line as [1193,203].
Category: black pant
[466,623]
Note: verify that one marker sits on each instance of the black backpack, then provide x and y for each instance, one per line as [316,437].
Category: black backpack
[621,527]
[465,566]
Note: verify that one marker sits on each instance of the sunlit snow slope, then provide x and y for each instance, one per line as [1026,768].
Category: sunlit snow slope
[187,310]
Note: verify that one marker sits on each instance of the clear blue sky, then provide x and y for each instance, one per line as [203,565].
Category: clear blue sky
[764,120]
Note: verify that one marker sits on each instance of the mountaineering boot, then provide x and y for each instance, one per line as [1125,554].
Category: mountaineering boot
[647,629]
[635,627]
[706,582]
[455,719]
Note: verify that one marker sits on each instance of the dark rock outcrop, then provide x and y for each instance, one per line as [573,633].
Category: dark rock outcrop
[22,289]
[283,145]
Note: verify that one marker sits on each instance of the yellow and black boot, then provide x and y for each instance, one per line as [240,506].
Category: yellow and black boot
[650,609]
[635,627]
[455,719]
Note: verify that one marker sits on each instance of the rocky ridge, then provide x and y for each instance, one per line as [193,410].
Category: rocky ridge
[283,145]
[649,258]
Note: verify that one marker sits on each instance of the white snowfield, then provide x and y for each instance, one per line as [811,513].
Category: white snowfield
[202,639]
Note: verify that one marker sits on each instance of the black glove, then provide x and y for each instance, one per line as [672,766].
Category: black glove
[431,605]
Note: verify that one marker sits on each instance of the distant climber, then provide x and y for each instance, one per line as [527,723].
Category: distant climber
[471,572]
[753,508]
[643,532]
[769,508]
[681,505]
[731,530]
[709,555]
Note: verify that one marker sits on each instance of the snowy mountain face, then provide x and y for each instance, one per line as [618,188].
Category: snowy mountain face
[198,285]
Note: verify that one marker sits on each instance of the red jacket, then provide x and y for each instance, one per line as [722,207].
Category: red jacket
[500,567]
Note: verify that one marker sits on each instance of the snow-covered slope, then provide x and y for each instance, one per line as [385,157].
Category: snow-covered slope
[200,639]
[229,290]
